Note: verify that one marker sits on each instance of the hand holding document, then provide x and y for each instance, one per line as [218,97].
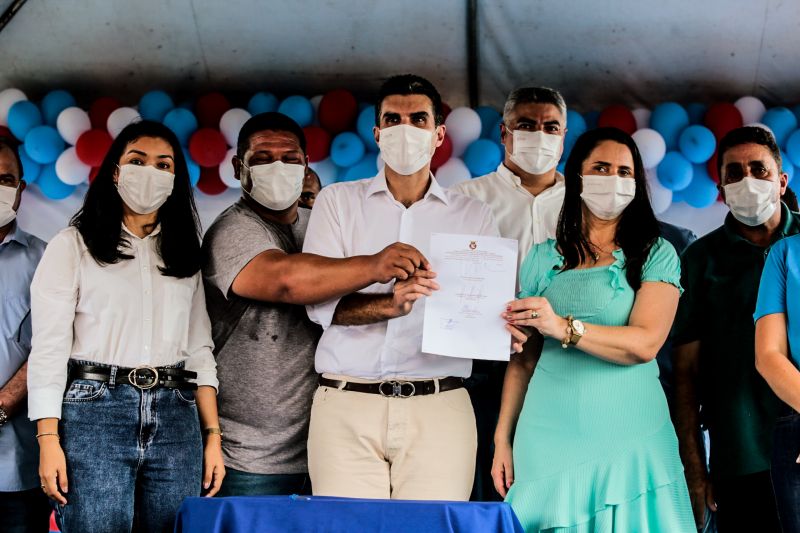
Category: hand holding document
[477,276]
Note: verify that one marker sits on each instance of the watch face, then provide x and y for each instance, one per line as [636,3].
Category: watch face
[578,326]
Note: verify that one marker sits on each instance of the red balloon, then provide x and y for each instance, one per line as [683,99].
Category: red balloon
[318,143]
[5,132]
[92,146]
[337,111]
[722,118]
[442,153]
[209,108]
[100,109]
[208,147]
[712,167]
[617,116]
[210,182]
[93,173]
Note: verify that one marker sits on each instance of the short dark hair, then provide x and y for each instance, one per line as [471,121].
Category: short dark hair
[534,95]
[100,219]
[13,145]
[406,84]
[272,121]
[748,135]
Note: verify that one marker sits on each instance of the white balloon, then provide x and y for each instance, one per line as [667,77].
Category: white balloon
[226,172]
[327,171]
[651,145]
[751,108]
[70,169]
[642,116]
[9,97]
[120,118]
[72,122]
[452,172]
[660,196]
[463,127]
[231,122]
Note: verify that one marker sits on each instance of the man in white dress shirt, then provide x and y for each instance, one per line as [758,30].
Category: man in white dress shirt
[525,193]
[389,421]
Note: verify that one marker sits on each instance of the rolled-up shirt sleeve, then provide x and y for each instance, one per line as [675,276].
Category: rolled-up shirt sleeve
[324,237]
[54,296]
[199,350]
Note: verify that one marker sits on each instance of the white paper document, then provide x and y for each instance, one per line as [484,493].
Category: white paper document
[477,276]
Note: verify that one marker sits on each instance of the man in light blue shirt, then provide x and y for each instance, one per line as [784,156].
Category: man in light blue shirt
[23,505]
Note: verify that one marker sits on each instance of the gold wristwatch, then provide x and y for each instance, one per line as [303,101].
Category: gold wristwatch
[575,330]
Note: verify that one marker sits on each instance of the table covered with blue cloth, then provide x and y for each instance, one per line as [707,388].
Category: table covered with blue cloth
[307,514]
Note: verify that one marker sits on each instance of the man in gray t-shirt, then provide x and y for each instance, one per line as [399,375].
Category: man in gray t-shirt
[257,283]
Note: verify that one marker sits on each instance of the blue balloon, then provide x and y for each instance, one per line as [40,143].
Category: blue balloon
[669,119]
[347,149]
[30,168]
[23,117]
[675,171]
[154,105]
[489,117]
[590,118]
[182,122]
[52,187]
[495,133]
[677,196]
[327,171]
[300,109]
[782,122]
[54,103]
[364,125]
[44,144]
[482,156]
[194,168]
[366,168]
[702,191]
[576,126]
[697,112]
[697,143]
[561,166]
[262,103]
[793,148]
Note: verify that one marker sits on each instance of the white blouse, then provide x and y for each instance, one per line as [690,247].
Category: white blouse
[125,314]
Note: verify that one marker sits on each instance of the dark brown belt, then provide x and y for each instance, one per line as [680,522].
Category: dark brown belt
[395,388]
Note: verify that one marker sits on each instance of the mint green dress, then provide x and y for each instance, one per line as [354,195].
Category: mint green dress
[594,449]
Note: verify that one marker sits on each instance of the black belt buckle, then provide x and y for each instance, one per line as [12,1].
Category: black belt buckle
[149,375]
[394,389]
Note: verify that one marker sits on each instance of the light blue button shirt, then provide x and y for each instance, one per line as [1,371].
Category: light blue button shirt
[20,252]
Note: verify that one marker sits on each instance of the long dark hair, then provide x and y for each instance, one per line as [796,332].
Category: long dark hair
[99,220]
[637,229]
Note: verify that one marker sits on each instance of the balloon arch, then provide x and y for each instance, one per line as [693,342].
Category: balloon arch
[63,144]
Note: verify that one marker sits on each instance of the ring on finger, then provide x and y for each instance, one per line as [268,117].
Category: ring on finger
[534,314]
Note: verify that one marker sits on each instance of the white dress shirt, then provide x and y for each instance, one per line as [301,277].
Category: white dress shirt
[520,215]
[125,314]
[362,218]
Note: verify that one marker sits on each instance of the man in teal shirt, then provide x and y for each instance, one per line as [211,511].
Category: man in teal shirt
[717,386]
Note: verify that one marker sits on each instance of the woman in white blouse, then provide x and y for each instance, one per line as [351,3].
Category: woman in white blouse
[121,340]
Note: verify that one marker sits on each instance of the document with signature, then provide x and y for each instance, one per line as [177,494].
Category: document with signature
[477,276]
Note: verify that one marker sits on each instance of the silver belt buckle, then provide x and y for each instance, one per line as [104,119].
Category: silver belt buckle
[396,390]
[133,378]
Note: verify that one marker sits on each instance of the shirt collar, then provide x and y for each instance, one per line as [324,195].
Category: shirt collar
[787,222]
[16,235]
[515,180]
[378,184]
[153,233]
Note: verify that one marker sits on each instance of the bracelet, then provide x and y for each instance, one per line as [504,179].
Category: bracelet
[213,431]
[46,434]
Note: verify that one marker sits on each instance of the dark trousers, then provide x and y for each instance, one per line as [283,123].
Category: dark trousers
[786,471]
[746,503]
[485,387]
[27,511]
[238,483]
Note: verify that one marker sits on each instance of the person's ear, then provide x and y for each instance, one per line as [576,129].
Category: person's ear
[237,166]
[376,132]
[441,130]
[783,181]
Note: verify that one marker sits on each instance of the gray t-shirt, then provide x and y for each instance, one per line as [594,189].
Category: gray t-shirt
[265,351]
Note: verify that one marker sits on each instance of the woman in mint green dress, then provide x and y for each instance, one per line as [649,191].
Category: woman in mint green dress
[594,449]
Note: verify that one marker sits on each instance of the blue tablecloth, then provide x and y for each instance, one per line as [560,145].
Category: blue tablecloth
[304,514]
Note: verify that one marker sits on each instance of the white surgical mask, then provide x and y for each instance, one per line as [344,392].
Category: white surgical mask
[536,152]
[752,201]
[405,149]
[144,188]
[608,196]
[276,185]
[8,196]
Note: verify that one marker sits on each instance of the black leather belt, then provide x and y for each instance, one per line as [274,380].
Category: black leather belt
[142,377]
[395,388]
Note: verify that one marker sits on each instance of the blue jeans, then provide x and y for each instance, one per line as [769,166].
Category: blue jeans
[25,511]
[132,457]
[786,472]
[238,483]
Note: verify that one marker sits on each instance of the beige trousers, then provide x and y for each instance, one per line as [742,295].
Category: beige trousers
[367,446]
